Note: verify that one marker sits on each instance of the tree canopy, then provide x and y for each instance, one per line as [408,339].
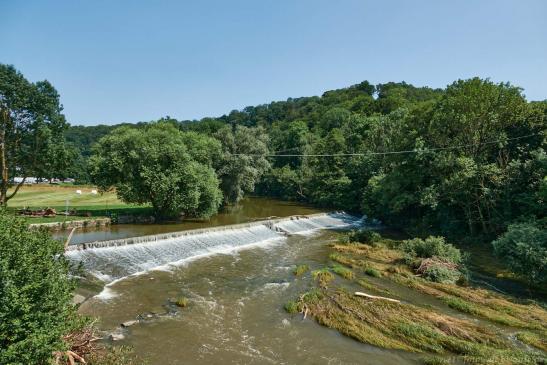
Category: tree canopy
[31,130]
[242,161]
[464,162]
[160,165]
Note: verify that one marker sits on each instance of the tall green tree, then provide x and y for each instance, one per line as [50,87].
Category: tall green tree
[243,160]
[31,130]
[161,166]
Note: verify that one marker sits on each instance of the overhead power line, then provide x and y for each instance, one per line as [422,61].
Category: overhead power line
[383,153]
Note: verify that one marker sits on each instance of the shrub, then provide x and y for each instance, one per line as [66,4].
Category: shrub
[431,246]
[524,249]
[441,274]
[364,236]
[35,294]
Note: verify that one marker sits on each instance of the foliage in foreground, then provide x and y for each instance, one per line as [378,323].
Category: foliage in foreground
[35,294]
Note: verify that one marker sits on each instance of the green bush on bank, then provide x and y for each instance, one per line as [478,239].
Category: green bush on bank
[361,235]
[35,294]
[524,249]
[433,258]
[432,246]
[441,274]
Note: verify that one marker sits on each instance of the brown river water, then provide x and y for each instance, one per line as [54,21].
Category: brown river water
[236,289]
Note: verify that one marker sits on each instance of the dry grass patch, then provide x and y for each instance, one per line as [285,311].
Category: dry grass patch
[533,339]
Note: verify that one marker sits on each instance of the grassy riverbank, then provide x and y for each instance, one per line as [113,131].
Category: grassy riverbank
[444,321]
[86,203]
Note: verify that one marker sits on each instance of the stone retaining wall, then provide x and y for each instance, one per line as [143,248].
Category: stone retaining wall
[58,226]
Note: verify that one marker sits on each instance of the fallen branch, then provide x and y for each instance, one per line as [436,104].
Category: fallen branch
[365,295]
[69,238]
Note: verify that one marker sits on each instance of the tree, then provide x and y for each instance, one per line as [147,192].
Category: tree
[162,166]
[243,161]
[524,249]
[31,129]
[35,294]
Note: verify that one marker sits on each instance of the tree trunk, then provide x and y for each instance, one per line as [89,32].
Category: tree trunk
[3,162]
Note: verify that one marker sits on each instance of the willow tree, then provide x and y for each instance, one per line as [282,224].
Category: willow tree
[31,130]
[161,166]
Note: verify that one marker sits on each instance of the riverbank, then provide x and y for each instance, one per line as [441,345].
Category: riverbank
[83,201]
[69,224]
[445,322]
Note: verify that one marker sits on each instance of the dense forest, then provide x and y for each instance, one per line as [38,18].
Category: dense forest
[463,161]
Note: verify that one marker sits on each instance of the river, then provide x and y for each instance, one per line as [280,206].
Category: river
[236,291]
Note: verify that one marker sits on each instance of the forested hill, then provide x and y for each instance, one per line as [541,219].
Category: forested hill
[475,159]
[363,99]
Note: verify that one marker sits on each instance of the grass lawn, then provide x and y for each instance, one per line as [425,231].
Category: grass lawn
[55,196]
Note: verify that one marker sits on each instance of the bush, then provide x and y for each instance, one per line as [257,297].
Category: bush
[524,249]
[364,236]
[441,274]
[35,294]
[430,247]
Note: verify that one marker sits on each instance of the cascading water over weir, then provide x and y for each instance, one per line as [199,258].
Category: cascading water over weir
[115,259]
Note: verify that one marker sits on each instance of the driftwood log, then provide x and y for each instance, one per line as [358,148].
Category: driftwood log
[365,295]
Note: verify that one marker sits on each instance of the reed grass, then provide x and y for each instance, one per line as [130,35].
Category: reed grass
[343,272]
[300,270]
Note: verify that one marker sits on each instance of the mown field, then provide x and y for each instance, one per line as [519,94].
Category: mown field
[56,196]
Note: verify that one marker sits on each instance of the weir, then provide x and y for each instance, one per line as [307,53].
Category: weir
[114,259]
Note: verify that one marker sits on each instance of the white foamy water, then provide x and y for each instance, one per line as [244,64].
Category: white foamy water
[110,261]
[301,225]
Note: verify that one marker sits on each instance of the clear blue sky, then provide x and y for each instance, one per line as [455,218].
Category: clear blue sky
[129,61]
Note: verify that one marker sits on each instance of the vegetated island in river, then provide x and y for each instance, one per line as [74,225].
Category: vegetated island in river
[458,324]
